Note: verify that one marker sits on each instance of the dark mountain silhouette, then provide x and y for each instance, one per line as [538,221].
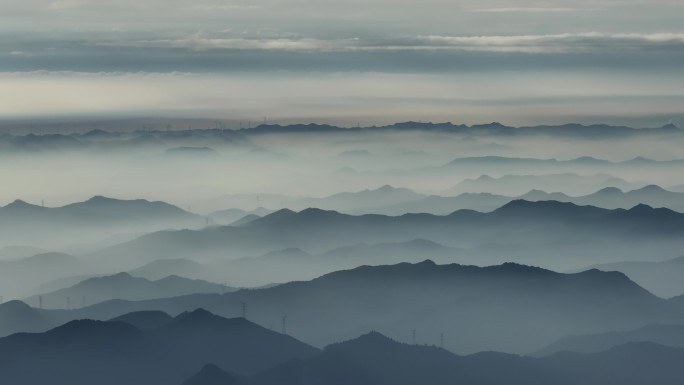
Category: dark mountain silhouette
[651,195]
[32,142]
[326,368]
[547,210]
[661,278]
[91,220]
[145,320]
[609,197]
[103,209]
[88,352]
[520,184]
[538,195]
[668,335]
[375,359]
[199,337]
[525,230]
[357,201]
[398,363]
[510,307]
[631,364]
[18,316]
[126,287]
[114,137]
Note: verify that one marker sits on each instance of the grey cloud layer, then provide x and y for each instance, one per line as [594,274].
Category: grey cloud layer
[353,35]
[529,49]
[434,53]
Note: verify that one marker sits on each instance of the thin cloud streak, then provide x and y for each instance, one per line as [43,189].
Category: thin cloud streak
[553,43]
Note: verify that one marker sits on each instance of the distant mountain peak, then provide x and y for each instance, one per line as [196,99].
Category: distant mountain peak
[641,207]
[280,213]
[374,337]
[201,319]
[14,305]
[371,339]
[670,126]
[513,266]
[144,319]
[20,204]
[100,198]
[640,159]
[610,190]
[588,159]
[489,125]
[316,211]
[651,188]
[426,263]
[197,313]
[118,277]
[517,204]
[386,188]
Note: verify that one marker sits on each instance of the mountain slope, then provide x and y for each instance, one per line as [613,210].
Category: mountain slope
[533,230]
[199,337]
[668,335]
[509,308]
[357,201]
[569,183]
[87,352]
[91,220]
[661,278]
[126,287]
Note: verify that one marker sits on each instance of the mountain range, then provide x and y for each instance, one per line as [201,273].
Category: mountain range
[662,278]
[520,184]
[123,286]
[668,335]
[609,197]
[357,201]
[200,348]
[93,220]
[525,230]
[87,352]
[510,307]
[294,264]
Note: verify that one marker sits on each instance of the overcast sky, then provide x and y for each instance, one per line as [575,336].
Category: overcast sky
[346,62]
